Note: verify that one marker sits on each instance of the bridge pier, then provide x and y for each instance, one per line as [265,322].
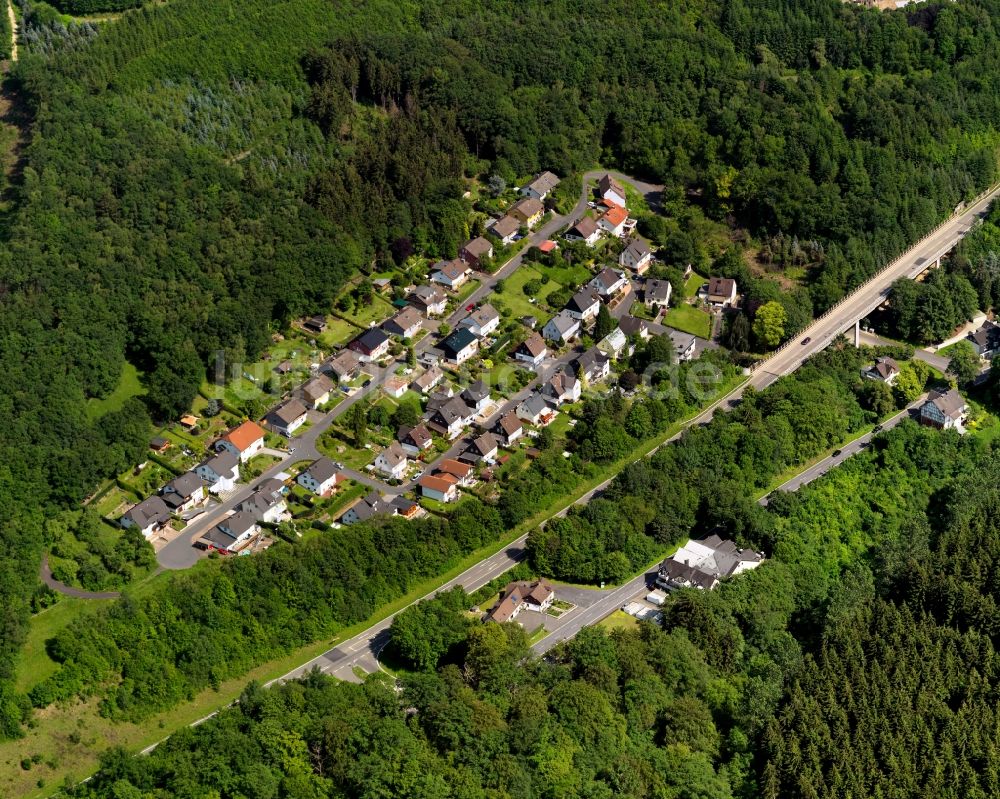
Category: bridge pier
[857,334]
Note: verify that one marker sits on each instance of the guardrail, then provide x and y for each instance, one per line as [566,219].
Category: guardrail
[895,262]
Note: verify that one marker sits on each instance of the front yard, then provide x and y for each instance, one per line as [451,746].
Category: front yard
[690,320]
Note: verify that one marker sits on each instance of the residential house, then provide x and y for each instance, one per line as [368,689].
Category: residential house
[585,230]
[475,251]
[396,386]
[453,274]
[148,516]
[540,186]
[267,504]
[426,381]
[219,472]
[315,392]
[561,328]
[593,366]
[506,229]
[561,388]
[986,340]
[184,492]
[344,366]
[613,221]
[451,417]
[460,346]
[482,321]
[477,396]
[372,345]
[415,440]
[485,447]
[159,445]
[636,256]
[231,534]
[440,487]
[407,508]
[288,417]
[657,293]
[584,305]
[634,326]
[885,370]
[946,410]
[439,397]
[614,344]
[607,283]
[244,441]
[462,472]
[702,564]
[528,210]
[532,350]
[320,478]
[509,429]
[534,409]
[535,596]
[428,299]
[721,291]
[608,188]
[405,324]
[392,461]
[684,345]
[367,508]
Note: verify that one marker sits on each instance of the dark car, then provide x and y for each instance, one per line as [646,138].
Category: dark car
[836,453]
[877,428]
[806,340]
[366,384]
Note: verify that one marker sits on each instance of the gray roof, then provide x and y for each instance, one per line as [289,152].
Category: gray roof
[475,392]
[239,523]
[585,228]
[427,295]
[478,247]
[591,359]
[185,485]
[505,226]
[563,322]
[559,384]
[987,337]
[658,290]
[485,444]
[152,510]
[950,403]
[453,409]
[682,341]
[371,339]
[583,300]
[544,183]
[535,404]
[259,502]
[289,411]
[224,462]
[322,469]
[632,325]
[344,362]
[637,249]
[533,345]
[481,316]
[316,387]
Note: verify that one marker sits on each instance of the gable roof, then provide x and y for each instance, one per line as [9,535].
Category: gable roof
[316,387]
[419,435]
[478,247]
[505,226]
[885,367]
[987,337]
[585,228]
[393,454]
[437,482]
[659,290]
[607,182]
[583,300]
[475,392]
[344,362]
[544,183]
[184,485]
[427,295]
[614,216]
[633,326]
[152,510]
[223,463]
[452,269]
[636,248]
[528,206]
[428,377]
[485,444]
[483,315]
[289,411]
[454,467]
[563,322]
[458,341]
[950,403]
[534,345]
[721,286]
[607,277]
[244,435]
[322,469]
[509,424]
[406,318]
[452,410]
[591,360]
[534,404]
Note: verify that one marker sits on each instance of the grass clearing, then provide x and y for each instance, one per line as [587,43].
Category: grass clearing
[516,301]
[129,385]
[619,620]
[690,320]
[693,283]
[567,276]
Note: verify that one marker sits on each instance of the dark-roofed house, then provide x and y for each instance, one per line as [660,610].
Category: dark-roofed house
[231,534]
[451,417]
[440,487]
[944,410]
[885,370]
[593,366]
[315,392]
[415,440]
[721,291]
[183,492]
[453,274]
[657,293]
[684,345]
[702,564]
[505,229]
[585,230]
[320,478]
[986,340]
[528,210]
[561,388]
[535,596]
[584,305]
[288,417]
[562,328]
[477,396]
[540,186]
[159,444]
[371,345]
[368,507]
[482,321]
[405,324]
[344,365]
[609,188]
[636,256]
[475,251]
[428,299]
[534,409]
[634,326]
[484,447]
[266,504]
[608,282]
[220,472]
[148,516]
[509,429]
[315,324]
[460,346]
[392,461]
[532,350]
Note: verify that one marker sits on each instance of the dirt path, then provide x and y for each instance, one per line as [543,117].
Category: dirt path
[13,30]
[46,574]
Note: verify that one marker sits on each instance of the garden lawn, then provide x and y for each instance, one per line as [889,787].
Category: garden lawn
[693,283]
[568,276]
[129,386]
[513,297]
[689,319]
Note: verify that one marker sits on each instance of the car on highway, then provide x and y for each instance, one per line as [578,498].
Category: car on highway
[877,428]
[836,453]
[806,340]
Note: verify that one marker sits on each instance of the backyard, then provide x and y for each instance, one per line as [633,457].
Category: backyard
[689,319]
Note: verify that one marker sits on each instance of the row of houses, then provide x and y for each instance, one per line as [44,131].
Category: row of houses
[945,410]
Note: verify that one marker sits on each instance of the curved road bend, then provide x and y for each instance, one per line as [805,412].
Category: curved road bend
[45,573]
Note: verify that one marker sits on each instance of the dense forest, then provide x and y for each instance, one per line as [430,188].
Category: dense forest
[859,660]
[199,173]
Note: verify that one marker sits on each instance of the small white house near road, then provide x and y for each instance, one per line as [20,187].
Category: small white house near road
[232,534]
[244,440]
[288,417]
[320,478]
[636,256]
[461,345]
[532,350]
[148,516]
[267,503]
[477,396]
[533,409]
[944,410]
[684,345]
[183,492]
[613,221]
[219,472]
[415,440]
[585,230]
[721,291]
[392,461]
[561,388]
[439,487]
[482,321]
[505,229]
[561,328]
[702,564]
[608,282]
[428,299]
[315,392]
[405,324]
[593,366]
[885,370]
[509,429]
[453,274]
[584,305]
[451,417]
[613,344]
[609,188]
[540,186]
[657,293]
